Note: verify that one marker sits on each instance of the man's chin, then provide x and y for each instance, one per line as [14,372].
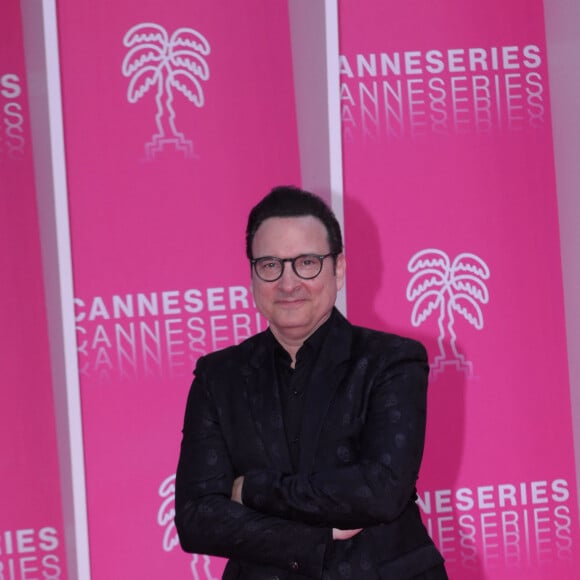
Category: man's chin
[289,319]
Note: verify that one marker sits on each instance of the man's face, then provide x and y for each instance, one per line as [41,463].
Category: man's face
[294,307]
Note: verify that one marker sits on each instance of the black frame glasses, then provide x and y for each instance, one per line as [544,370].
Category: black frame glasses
[260,266]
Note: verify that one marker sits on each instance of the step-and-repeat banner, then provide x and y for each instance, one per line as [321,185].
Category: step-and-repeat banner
[452,237]
[178,117]
[31,527]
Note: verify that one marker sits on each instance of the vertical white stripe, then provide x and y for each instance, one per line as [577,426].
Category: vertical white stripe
[315,56]
[562,25]
[43,85]
[334,122]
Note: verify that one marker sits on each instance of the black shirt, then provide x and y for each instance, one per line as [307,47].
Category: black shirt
[294,382]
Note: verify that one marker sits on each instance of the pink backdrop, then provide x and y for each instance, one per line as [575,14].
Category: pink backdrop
[452,235]
[31,528]
[163,164]
[451,232]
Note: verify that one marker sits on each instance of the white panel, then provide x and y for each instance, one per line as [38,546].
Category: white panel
[43,80]
[562,26]
[315,54]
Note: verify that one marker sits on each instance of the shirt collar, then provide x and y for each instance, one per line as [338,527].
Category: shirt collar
[311,345]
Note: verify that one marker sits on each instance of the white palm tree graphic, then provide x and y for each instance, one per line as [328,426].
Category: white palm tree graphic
[165,517]
[448,287]
[169,63]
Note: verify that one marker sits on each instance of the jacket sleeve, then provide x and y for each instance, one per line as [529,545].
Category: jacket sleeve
[373,479]
[208,522]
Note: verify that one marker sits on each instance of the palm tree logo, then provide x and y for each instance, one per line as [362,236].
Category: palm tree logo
[165,516]
[168,63]
[448,288]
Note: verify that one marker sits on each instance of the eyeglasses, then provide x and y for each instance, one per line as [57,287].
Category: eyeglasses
[306,266]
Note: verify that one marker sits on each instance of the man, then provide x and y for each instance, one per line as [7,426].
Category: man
[301,446]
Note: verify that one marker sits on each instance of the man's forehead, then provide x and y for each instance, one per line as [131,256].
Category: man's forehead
[292,230]
[285,222]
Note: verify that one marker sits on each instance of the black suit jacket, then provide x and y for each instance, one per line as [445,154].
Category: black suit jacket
[360,450]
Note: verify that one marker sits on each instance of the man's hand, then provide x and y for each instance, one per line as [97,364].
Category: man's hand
[237,489]
[344,534]
[336,533]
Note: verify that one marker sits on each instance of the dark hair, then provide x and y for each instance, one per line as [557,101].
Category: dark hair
[290,201]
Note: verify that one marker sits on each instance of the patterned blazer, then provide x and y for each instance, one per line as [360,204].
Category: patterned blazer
[361,444]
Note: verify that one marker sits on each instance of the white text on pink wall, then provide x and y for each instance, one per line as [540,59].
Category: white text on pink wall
[508,524]
[30,553]
[392,95]
[160,333]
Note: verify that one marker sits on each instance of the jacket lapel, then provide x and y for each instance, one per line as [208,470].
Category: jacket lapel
[326,377]
[264,401]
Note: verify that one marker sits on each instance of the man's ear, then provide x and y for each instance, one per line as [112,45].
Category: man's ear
[340,270]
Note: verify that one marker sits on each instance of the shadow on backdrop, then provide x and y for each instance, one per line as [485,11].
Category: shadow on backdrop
[444,446]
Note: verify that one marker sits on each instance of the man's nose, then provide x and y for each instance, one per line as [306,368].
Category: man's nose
[289,280]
